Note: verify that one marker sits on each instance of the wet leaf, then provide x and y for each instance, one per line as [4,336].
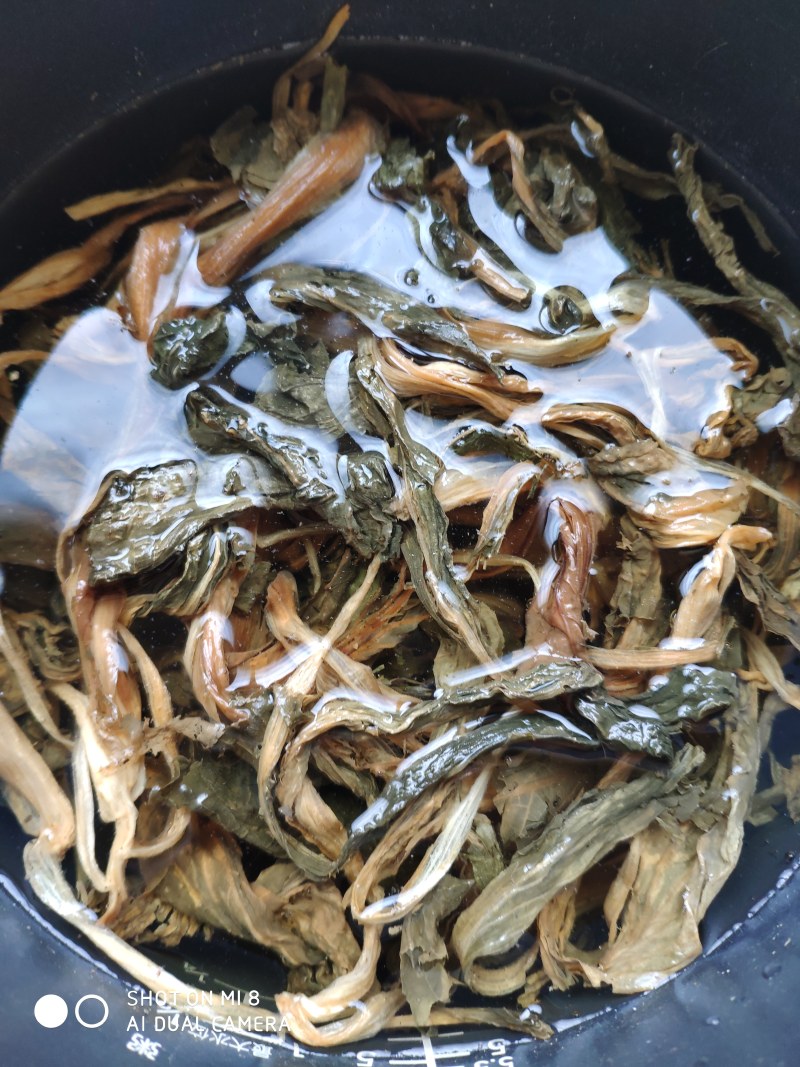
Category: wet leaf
[301,458]
[402,171]
[374,304]
[294,387]
[423,953]
[777,612]
[184,349]
[141,519]
[590,828]
[455,750]
[224,789]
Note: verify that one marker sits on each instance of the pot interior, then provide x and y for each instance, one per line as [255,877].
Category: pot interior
[131,148]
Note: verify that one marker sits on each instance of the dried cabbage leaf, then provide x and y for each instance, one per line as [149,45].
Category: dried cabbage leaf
[426,547]
[300,458]
[423,953]
[483,852]
[778,314]
[203,563]
[334,88]
[643,723]
[403,170]
[572,843]
[302,922]
[787,780]
[294,388]
[224,788]
[184,349]
[245,145]
[378,306]
[144,517]
[453,751]
[529,795]
[674,869]
[777,612]
[638,614]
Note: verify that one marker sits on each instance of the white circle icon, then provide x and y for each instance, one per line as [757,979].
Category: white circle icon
[89,1024]
[50,1010]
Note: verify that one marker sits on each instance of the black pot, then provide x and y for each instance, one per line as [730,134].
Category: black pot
[94,97]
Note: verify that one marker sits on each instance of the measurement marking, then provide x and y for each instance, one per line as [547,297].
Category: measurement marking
[430,1055]
[437,1053]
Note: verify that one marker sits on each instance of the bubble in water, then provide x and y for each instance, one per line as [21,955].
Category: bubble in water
[712,1020]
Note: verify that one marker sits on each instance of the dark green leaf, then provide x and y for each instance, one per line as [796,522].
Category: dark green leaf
[224,788]
[143,518]
[777,612]
[510,441]
[184,349]
[295,388]
[423,953]
[402,169]
[304,458]
[644,722]
[377,306]
[453,752]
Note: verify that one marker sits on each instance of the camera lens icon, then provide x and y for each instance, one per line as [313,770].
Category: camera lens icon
[90,1011]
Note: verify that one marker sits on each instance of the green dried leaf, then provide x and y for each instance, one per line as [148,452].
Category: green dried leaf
[426,547]
[423,953]
[143,518]
[253,589]
[453,751]
[205,560]
[294,389]
[777,612]
[639,594]
[184,349]
[402,170]
[787,779]
[675,868]
[530,794]
[376,305]
[644,722]
[246,147]
[572,843]
[334,88]
[509,441]
[302,458]
[778,315]
[483,852]
[224,788]
[562,190]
